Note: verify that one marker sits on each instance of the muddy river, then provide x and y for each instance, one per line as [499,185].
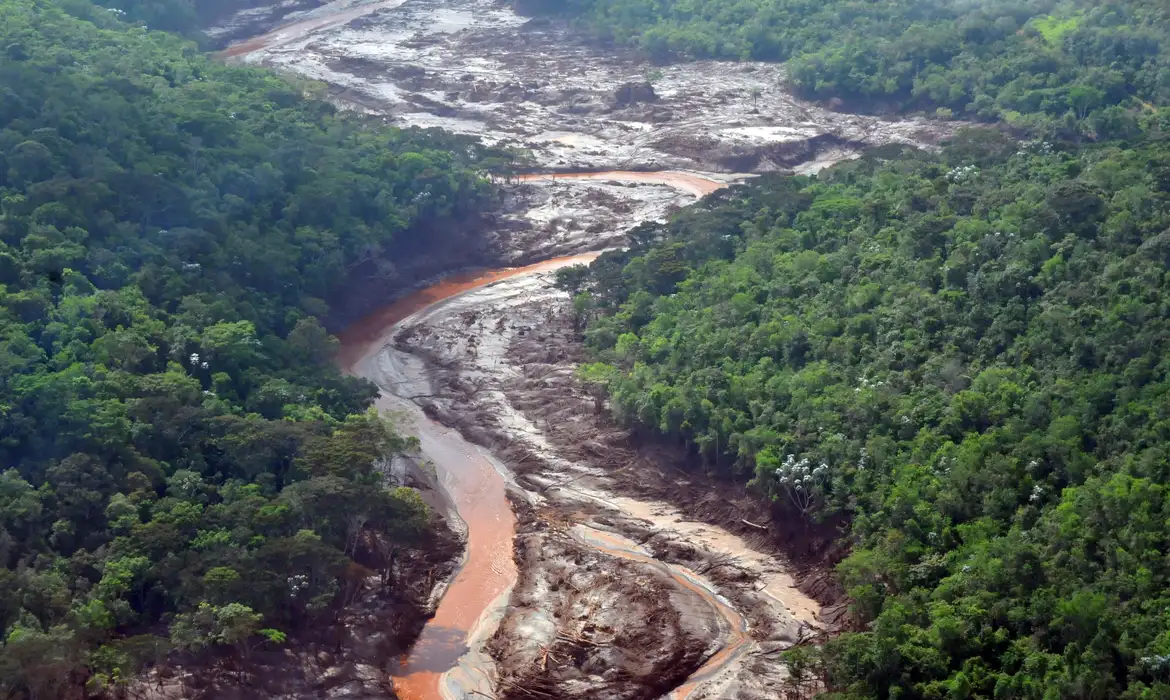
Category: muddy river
[442,663]
[449,660]
[572,584]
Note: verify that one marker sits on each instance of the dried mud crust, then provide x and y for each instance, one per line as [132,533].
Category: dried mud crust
[582,624]
[477,67]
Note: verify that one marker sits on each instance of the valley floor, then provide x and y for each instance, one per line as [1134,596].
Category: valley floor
[609,571]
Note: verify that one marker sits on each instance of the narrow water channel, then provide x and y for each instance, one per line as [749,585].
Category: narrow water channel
[445,663]
[617,546]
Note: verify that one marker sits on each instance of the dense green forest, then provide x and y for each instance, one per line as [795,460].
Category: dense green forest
[1067,66]
[181,465]
[965,354]
[186,17]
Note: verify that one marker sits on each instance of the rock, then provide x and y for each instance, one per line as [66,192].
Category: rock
[634,93]
[661,116]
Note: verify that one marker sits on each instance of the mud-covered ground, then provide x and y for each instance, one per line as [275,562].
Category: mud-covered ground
[590,618]
[477,67]
[253,18]
[637,575]
[562,217]
[584,623]
[535,220]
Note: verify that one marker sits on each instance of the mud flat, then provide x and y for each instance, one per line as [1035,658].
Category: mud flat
[558,214]
[594,615]
[477,67]
[541,217]
[590,590]
[594,568]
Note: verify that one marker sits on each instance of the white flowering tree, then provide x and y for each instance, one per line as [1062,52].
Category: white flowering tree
[798,478]
[963,173]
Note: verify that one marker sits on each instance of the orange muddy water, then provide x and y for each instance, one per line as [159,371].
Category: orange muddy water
[364,338]
[478,493]
[442,663]
[476,489]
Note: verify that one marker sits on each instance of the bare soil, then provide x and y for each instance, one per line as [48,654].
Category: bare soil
[477,67]
[501,364]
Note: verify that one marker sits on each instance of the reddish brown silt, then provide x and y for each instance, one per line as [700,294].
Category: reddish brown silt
[476,488]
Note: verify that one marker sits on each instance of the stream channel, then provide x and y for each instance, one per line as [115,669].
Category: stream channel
[476,67]
[444,662]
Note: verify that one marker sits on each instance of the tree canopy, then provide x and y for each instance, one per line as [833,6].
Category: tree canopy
[1070,66]
[180,462]
[964,353]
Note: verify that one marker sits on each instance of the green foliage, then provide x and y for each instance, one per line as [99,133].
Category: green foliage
[1054,28]
[182,16]
[179,452]
[1018,61]
[972,344]
[228,625]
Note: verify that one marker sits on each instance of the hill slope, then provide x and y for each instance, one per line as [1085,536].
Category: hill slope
[178,449]
[1040,64]
[965,354]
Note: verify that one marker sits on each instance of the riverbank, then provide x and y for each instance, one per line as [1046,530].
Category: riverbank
[481,352]
[585,576]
